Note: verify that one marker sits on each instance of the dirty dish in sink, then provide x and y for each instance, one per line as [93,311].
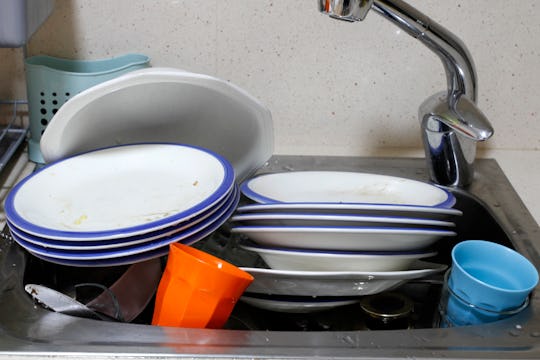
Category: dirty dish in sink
[328,260]
[204,219]
[131,253]
[343,187]
[119,191]
[164,105]
[421,212]
[297,304]
[335,220]
[335,283]
[342,238]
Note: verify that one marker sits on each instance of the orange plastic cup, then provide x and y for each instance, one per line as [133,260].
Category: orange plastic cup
[197,290]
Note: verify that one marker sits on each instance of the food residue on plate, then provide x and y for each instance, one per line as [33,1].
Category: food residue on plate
[80,219]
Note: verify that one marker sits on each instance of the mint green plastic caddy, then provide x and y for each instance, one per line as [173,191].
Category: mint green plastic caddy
[51,81]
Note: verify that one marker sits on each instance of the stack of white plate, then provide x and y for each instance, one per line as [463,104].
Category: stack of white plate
[122,204]
[322,233]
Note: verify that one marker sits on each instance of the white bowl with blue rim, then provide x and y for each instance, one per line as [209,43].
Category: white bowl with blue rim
[340,187]
[334,260]
[347,238]
[119,192]
[336,220]
[409,211]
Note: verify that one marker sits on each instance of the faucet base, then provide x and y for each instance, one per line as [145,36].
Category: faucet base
[449,154]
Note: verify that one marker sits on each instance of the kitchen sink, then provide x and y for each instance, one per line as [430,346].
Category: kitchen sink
[491,210]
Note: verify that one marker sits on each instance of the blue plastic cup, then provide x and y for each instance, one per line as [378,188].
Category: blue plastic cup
[455,311]
[487,282]
[491,276]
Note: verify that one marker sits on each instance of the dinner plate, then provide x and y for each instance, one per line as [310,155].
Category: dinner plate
[344,187]
[206,219]
[164,105]
[119,191]
[328,260]
[296,304]
[124,255]
[411,211]
[342,238]
[335,220]
[334,283]
[120,261]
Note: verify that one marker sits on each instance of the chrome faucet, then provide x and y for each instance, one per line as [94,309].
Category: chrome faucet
[450,120]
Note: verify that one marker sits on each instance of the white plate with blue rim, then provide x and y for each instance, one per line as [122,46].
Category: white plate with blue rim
[344,187]
[343,238]
[328,260]
[336,220]
[335,283]
[119,191]
[385,210]
[204,219]
[130,254]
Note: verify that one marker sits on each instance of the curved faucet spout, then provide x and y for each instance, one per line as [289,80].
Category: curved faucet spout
[453,115]
[457,61]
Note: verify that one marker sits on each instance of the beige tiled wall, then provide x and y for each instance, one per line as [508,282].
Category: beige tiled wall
[333,87]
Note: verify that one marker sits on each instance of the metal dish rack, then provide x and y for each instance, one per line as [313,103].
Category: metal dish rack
[14,128]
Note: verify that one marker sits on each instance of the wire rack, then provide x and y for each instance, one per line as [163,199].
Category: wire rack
[14,128]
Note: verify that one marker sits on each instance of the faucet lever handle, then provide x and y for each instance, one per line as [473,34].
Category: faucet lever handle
[458,113]
[471,121]
[450,129]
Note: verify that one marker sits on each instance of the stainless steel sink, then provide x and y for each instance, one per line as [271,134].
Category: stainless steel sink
[492,211]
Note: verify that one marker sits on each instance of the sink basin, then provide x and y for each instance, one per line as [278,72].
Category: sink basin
[491,210]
